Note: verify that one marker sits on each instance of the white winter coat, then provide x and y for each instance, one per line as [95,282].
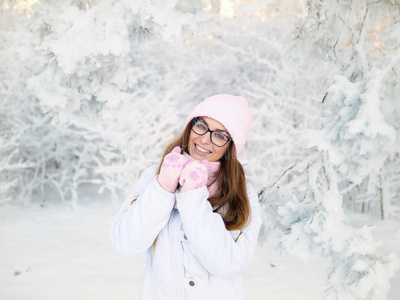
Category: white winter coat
[195,257]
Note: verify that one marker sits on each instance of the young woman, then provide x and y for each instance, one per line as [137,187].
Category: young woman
[194,213]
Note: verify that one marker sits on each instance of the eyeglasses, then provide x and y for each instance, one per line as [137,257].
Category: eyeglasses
[217,138]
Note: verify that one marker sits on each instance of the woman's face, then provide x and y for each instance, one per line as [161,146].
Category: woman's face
[203,142]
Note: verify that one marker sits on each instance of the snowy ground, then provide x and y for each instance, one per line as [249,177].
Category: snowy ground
[57,253]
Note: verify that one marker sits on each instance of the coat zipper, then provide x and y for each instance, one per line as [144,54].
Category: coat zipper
[176,260]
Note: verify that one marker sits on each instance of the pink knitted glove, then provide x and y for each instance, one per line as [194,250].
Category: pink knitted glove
[171,169]
[194,175]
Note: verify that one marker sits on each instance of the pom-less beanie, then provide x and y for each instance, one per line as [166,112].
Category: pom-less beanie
[231,111]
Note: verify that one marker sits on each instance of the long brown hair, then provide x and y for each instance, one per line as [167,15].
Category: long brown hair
[232,192]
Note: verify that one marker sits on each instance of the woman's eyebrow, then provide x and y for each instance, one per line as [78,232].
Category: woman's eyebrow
[221,130]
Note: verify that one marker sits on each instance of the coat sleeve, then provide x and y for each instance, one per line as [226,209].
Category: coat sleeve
[210,241]
[136,225]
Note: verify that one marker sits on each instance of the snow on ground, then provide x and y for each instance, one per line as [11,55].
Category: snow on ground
[54,252]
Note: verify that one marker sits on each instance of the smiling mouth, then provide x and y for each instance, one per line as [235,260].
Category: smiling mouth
[201,150]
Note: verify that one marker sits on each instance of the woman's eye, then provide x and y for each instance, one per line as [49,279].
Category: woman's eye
[221,136]
[201,126]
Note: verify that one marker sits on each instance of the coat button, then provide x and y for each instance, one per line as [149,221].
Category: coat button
[191,283]
[184,236]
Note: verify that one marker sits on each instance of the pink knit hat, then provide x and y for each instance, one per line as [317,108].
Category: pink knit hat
[231,111]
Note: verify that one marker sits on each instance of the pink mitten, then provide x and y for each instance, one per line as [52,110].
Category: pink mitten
[194,175]
[171,169]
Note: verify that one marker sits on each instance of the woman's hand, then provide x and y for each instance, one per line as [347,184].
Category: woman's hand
[171,169]
[194,175]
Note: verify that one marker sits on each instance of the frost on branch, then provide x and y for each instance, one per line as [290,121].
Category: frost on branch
[355,131]
[88,62]
[357,137]
[361,109]
[35,155]
[308,214]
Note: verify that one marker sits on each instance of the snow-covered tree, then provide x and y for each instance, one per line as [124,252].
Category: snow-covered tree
[308,214]
[378,193]
[122,76]
[172,74]
[91,68]
[358,134]
[361,109]
[34,153]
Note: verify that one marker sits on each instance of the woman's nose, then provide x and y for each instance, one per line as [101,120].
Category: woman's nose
[205,139]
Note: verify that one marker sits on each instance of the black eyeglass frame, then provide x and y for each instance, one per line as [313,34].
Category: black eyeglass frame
[209,130]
